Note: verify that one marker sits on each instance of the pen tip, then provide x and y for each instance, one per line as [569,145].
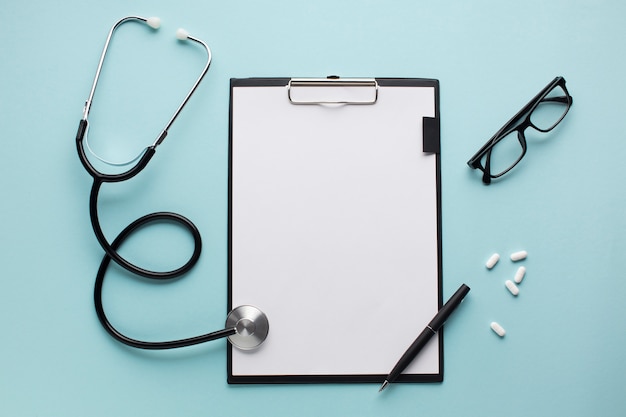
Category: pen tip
[384,385]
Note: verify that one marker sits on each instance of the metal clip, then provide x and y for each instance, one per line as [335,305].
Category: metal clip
[338,95]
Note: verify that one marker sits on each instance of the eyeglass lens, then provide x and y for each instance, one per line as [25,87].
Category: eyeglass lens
[507,152]
[550,109]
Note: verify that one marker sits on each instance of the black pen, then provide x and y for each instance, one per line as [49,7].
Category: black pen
[432,328]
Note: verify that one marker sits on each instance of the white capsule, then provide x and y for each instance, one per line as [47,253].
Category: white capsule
[498,329]
[518,256]
[519,275]
[492,261]
[511,287]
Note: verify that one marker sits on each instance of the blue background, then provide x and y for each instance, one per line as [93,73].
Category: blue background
[564,350]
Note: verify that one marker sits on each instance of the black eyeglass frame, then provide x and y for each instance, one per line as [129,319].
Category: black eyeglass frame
[515,124]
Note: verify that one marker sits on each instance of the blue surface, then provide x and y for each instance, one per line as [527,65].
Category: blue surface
[564,350]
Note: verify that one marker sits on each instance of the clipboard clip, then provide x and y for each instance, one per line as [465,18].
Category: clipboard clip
[332,90]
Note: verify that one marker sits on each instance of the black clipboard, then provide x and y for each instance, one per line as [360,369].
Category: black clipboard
[334,226]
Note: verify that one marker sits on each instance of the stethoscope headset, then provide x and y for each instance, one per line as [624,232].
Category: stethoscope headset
[246,326]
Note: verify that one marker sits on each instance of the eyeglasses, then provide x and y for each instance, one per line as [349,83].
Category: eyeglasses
[508,146]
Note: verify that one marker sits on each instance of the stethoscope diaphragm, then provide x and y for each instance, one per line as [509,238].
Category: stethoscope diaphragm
[251,327]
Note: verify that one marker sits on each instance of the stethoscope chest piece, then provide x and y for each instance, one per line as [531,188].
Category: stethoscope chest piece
[251,327]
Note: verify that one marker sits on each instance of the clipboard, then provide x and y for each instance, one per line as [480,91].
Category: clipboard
[334,226]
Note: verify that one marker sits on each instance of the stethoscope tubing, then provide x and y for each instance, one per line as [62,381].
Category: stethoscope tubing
[100,178]
[111,253]
[104,321]
[142,221]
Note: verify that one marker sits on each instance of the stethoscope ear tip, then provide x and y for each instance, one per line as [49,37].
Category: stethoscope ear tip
[182,34]
[154,22]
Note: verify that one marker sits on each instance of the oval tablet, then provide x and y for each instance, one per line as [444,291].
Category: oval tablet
[498,329]
[492,260]
[519,275]
[511,287]
[518,256]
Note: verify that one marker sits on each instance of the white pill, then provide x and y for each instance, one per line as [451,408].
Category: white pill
[519,275]
[492,260]
[518,256]
[498,329]
[511,287]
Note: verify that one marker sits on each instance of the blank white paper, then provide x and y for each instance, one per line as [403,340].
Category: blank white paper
[334,231]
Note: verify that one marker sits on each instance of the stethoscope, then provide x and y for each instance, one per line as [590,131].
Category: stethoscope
[246,326]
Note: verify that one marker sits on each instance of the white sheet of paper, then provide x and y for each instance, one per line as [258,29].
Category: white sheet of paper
[334,231]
